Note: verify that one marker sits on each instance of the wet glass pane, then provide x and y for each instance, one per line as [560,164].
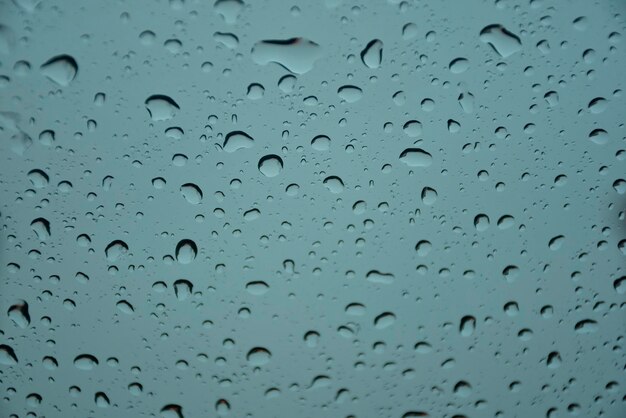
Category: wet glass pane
[324,208]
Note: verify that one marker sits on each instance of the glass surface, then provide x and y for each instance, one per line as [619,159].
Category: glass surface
[323,208]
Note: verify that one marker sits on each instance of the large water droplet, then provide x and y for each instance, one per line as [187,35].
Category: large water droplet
[467,326]
[372,55]
[350,94]
[458,65]
[172,411]
[384,320]
[192,193]
[376,276]
[258,356]
[599,136]
[85,362]
[7,355]
[19,314]
[38,178]
[296,54]
[41,227]
[416,157]
[320,143]
[228,9]
[270,165]
[501,40]
[237,140]
[161,107]
[257,288]
[334,184]
[186,251]
[182,289]
[115,249]
[61,69]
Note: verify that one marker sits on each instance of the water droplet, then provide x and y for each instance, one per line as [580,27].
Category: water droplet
[85,362]
[409,31]
[350,94]
[41,227]
[384,320]
[258,356]
[182,289]
[186,251]
[295,54]
[422,347]
[320,143]
[125,307]
[270,165]
[311,339]
[372,55]
[556,243]
[467,326]
[355,309]
[7,355]
[597,105]
[172,411]
[586,326]
[554,360]
[255,91]
[102,400]
[257,288]
[287,83]
[229,40]
[192,193]
[161,107]
[458,65]
[38,178]
[423,247]
[19,314]
[416,414]
[502,41]
[115,250]
[237,140]
[599,136]
[61,69]
[416,157]
[412,128]
[228,9]
[376,276]
[334,184]
[429,196]
[481,222]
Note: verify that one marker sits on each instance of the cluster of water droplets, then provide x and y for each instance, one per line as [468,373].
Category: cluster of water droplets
[331,208]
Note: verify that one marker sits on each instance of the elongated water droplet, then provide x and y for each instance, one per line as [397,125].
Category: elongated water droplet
[372,54]
[416,157]
[467,325]
[7,355]
[295,54]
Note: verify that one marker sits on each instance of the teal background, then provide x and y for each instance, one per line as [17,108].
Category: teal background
[178,241]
